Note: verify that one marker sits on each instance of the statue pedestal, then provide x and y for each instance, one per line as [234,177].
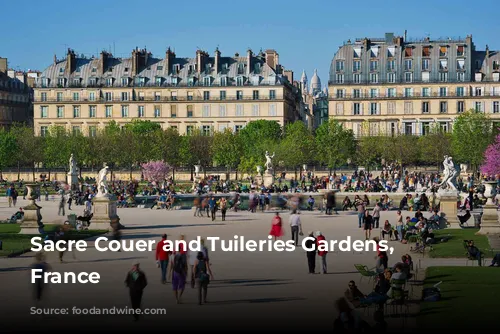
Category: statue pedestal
[268,179]
[72,180]
[448,206]
[30,221]
[489,221]
[104,212]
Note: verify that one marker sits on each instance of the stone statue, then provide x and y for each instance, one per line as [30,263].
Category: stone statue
[463,168]
[102,182]
[72,165]
[449,174]
[269,161]
[259,170]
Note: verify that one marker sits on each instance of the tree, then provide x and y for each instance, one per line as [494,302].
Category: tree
[56,148]
[257,138]
[491,164]
[434,145]
[403,150]
[155,171]
[369,150]
[29,147]
[166,147]
[195,149]
[334,144]
[472,133]
[297,146]
[142,127]
[8,149]
[226,150]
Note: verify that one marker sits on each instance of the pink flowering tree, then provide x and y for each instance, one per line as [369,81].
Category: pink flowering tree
[491,164]
[155,171]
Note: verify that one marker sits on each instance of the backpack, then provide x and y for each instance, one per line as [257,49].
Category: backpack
[201,271]
[431,294]
[180,263]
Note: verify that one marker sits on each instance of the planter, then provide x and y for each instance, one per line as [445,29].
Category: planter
[490,191]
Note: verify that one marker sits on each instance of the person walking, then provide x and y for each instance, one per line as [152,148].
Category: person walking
[39,283]
[212,204]
[203,274]
[321,253]
[136,282]
[62,204]
[399,225]
[311,252]
[178,270]
[162,258]
[70,201]
[368,223]
[296,226]
[9,195]
[276,227]
[197,205]
[376,215]
[360,207]
[223,208]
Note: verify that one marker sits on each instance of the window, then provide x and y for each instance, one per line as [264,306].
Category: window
[92,111]
[76,96]
[206,130]
[408,129]
[239,110]
[60,82]
[76,111]
[496,107]
[239,95]
[425,64]
[340,78]
[373,92]
[124,82]
[159,68]
[374,78]
[109,81]
[91,96]
[124,111]
[92,131]
[393,128]
[443,76]
[443,64]
[408,76]
[443,107]
[356,78]
[59,96]
[408,107]
[443,51]
[272,110]
[356,66]
[44,130]
[206,95]
[239,81]
[206,110]
[206,81]
[408,64]
[391,108]
[391,65]
[425,128]
[425,107]
[373,65]
[76,130]
[426,51]
[391,92]
[190,96]
[340,94]
[44,111]
[272,94]
[173,96]
[189,129]
[460,64]
[173,111]
[124,96]
[190,110]
[255,94]
[223,81]
[408,51]
[356,93]
[442,91]
[391,77]
[60,111]
[43,97]
[157,96]
[357,52]
[222,110]
[174,127]
[222,95]
[460,91]
[408,92]
[237,128]
[339,65]
[141,96]
[460,51]
[108,111]
[460,76]
[478,91]
[391,51]
[140,111]
[373,108]
[460,106]
[479,106]
[255,110]
[443,126]
[356,109]
[108,96]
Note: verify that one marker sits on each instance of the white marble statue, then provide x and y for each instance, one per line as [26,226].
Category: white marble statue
[463,168]
[259,170]
[449,174]
[72,165]
[197,170]
[269,161]
[102,182]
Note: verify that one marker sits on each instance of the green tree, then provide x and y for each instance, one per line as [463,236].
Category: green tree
[471,135]
[166,146]
[56,148]
[434,145]
[142,127]
[334,144]
[8,149]
[403,150]
[259,136]
[297,146]
[369,150]
[226,150]
[29,147]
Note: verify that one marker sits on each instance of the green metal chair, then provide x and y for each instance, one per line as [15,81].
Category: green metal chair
[365,272]
[398,297]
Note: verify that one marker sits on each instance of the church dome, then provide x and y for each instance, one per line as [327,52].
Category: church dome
[315,82]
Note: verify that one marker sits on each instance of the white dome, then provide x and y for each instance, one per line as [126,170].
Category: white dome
[315,82]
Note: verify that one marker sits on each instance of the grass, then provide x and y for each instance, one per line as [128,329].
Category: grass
[14,243]
[469,300]
[454,246]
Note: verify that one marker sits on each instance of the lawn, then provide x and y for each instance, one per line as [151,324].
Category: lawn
[13,243]
[470,299]
[454,247]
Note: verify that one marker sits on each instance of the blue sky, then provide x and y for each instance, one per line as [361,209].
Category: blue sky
[306,34]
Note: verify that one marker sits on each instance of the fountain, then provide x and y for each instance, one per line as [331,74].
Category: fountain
[32,221]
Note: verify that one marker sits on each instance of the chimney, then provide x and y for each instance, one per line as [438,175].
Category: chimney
[135,64]
[139,58]
[55,60]
[3,65]
[103,58]
[405,38]
[487,52]
[70,61]
[169,60]
[201,57]
[217,60]
[272,59]
[249,61]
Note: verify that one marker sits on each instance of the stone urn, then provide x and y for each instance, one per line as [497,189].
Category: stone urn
[490,191]
[489,218]
[32,220]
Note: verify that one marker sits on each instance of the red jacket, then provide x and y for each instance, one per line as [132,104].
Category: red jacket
[161,255]
[318,239]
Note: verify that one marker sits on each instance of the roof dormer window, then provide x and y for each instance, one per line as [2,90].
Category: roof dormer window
[109,82]
[94,69]
[176,68]
[61,70]
[159,68]
[207,81]
[240,81]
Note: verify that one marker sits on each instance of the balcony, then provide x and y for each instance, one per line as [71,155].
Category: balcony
[158,99]
[402,96]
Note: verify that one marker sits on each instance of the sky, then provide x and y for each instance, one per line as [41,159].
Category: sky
[305,33]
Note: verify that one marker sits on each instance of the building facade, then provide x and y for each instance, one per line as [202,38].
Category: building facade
[391,85]
[314,100]
[204,92]
[16,95]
